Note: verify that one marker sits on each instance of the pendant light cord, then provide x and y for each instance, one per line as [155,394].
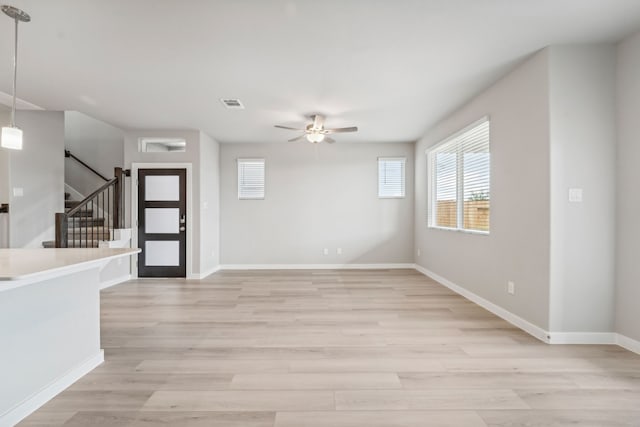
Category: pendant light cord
[15,74]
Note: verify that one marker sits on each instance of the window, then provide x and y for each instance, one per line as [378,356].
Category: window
[161,145]
[460,180]
[250,179]
[391,177]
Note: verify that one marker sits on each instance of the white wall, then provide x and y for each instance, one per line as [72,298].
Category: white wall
[582,112]
[4,161]
[98,144]
[50,338]
[209,204]
[317,196]
[37,169]
[628,177]
[517,247]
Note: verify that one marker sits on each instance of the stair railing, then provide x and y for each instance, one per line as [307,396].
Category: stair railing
[70,155]
[109,200]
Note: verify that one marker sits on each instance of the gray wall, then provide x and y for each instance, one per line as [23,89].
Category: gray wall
[209,204]
[517,247]
[38,169]
[98,144]
[628,177]
[583,134]
[317,196]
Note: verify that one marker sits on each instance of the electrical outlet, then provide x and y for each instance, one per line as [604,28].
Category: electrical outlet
[511,287]
[326,251]
[339,251]
[419,252]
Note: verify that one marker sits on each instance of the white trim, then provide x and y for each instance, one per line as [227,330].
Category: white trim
[628,343]
[207,273]
[31,404]
[314,266]
[73,193]
[515,320]
[113,282]
[582,338]
[134,210]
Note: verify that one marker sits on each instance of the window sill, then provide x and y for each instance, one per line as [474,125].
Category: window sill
[460,230]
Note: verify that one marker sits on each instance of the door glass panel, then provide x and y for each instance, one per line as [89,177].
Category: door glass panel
[162,187]
[161,220]
[162,253]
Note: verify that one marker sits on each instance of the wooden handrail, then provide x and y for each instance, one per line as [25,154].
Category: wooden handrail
[68,153]
[91,196]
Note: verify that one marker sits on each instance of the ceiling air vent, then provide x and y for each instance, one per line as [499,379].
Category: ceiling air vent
[234,104]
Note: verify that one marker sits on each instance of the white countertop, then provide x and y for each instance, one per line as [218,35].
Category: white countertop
[16,264]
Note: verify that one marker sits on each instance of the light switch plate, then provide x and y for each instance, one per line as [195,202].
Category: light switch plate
[575,195]
[18,192]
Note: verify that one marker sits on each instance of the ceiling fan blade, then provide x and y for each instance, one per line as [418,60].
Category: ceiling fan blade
[329,140]
[287,127]
[342,130]
[297,138]
[318,121]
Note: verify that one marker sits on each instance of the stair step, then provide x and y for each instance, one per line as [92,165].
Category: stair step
[73,244]
[82,213]
[83,233]
[75,222]
[71,203]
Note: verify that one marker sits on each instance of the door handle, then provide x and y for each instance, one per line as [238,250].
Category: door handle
[182,219]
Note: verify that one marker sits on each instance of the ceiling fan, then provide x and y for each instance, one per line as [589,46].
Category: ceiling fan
[315,132]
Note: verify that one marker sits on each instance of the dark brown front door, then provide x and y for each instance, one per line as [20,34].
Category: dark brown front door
[162,222]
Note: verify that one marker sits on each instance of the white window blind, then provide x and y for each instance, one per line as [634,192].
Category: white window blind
[250,178]
[460,180]
[391,177]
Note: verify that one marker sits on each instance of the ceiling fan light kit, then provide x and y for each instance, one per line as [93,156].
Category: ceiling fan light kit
[315,137]
[11,136]
[316,132]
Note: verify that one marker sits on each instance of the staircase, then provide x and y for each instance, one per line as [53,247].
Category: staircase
[97,218]
[85,228]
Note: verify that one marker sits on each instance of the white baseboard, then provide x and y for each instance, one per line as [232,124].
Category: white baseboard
[31,404]
[582,338]
[116,281]
[628,343]
[315,266]
[609,338]
[515,320]
[205,274]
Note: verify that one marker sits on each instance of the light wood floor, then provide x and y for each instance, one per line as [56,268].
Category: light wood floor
[333,349]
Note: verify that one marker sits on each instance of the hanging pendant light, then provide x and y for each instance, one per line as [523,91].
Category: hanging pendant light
[12,135]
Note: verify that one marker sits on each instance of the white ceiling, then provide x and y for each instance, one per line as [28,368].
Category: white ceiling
[390,67]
